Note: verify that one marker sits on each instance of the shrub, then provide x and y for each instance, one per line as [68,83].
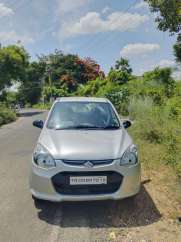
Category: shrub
[92,88]
[54,92]
[173,106]
[43,106]
[6,115]
[120,100]
[154,124]
[138,107]
[161,77]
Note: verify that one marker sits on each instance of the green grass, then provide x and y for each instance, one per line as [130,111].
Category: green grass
[156,131]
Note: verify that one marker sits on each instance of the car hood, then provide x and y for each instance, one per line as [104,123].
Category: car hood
[85,144]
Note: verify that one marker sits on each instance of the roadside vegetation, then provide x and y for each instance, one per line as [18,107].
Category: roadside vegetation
[153,102]
[6,115]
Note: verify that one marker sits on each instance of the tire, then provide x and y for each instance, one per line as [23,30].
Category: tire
[36,200]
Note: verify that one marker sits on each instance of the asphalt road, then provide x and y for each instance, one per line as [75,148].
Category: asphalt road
[23,220]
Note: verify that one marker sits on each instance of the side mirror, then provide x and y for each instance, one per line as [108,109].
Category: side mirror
[126,124]
[38,123]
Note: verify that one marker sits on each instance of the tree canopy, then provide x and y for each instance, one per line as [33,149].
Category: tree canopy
[177,49]
[60,74]
[13,63]
[168,19]
[169,14]
[121,73]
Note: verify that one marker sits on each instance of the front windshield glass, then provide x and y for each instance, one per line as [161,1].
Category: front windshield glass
[83,115]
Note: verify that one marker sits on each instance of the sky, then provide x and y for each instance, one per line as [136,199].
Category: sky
[104,30]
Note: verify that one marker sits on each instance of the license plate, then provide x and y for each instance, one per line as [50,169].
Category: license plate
[88,180]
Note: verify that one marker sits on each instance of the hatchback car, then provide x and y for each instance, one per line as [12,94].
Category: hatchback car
[84,153]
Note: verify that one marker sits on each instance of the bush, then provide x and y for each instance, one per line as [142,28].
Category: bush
[43,106]
[6,115]
[120,100]
[138,107]
[173,106]
[155,125]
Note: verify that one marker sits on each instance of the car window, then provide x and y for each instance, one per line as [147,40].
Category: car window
[72,115]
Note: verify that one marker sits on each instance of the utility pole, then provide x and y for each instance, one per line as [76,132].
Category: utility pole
[48,71]
[42,85]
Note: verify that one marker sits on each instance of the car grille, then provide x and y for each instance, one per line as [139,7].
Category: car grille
[83,162]
[61,183]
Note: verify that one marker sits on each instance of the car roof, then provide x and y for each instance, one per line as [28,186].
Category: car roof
[81,99]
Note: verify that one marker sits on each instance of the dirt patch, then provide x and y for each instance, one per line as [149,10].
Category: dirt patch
[153,215]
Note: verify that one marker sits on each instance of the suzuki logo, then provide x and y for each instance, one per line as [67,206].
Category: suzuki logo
[88,164]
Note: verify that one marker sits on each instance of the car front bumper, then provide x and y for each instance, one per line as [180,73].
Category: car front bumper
[42,187]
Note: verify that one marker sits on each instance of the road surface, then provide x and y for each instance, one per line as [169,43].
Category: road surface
[23,220]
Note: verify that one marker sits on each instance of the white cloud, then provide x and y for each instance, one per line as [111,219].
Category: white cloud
[5,11]
[139,49]
[177,75]
[161,64]
[172,64]
[65,6]
[166,63]
[116,21]
[141,5]
[10,37]
[106,9]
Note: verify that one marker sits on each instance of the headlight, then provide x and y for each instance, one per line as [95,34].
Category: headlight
[42,157]
[130,156]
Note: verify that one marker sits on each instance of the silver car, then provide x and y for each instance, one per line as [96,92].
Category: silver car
[84,153]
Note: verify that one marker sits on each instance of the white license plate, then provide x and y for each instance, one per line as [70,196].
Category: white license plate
[88,180]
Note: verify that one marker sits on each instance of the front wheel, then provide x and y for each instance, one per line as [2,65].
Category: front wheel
[37,200]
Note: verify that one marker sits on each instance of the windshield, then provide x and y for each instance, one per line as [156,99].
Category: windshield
[83,115]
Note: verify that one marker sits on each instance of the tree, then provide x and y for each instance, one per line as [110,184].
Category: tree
[31,87]
[121,73]
[89,69]
[169,19]
[169,14]
[177,49]
[54,92]
[123,65]
[57,65]
[8,97]
[69,82]
[92,87]
[161,77]
[69,70]
[13,63]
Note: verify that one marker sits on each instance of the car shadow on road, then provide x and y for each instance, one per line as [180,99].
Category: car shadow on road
[28,113]
[101,214]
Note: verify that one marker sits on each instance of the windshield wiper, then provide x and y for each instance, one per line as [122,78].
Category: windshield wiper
[89,127]
[111,127]
[80,127]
